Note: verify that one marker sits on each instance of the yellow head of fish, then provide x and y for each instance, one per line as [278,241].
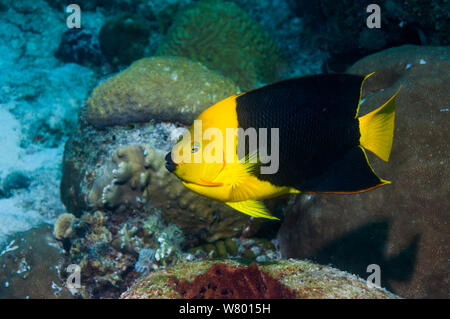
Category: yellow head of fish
[196,160]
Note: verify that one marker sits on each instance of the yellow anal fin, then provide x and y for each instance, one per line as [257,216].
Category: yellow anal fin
[253,208]
[377,129]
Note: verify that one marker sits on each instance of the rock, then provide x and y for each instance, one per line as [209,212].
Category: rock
[31,265]
[284,279]
[79,46]
[157,88]
[403,226]
[226,39]
[14,181]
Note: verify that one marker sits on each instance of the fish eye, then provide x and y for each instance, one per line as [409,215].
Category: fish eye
[195,147]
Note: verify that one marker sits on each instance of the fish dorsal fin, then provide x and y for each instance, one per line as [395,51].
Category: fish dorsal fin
[252,208]
[351,173]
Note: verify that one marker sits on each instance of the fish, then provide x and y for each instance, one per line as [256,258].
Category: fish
[315,130]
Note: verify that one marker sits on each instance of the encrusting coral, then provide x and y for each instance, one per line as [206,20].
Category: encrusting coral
[224,282]
[289,279]
[225,38]
[157,88]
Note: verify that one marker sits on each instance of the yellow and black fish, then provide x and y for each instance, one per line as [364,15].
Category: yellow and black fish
[321,145]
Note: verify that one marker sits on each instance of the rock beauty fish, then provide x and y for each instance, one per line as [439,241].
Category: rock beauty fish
[322,142]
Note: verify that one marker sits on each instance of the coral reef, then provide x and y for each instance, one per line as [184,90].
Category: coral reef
[303,278]
[224,282]
[123,39]
[403,226]
[226,39]
[112,249]
[157,88]
[31,266]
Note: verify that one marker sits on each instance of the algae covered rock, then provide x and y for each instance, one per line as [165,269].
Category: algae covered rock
[402,227]
[230,279]
[157,88]
[226,39]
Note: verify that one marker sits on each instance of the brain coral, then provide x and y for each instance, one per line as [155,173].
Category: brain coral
[224,38]
[159,88]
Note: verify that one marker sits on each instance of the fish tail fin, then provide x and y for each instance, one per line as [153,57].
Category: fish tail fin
[377,129]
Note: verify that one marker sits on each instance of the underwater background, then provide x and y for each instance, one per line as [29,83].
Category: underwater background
[87,115]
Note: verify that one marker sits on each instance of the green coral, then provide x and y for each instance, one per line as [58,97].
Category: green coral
[226,39]
[158,88]
[123,39]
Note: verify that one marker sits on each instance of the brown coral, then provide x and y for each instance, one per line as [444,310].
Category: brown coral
[157,88]
[225,282]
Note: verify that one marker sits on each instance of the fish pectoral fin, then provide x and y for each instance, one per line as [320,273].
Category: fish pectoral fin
[252,208]
[250,162]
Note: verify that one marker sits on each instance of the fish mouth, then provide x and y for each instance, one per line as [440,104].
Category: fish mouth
[170,164]
[203,183]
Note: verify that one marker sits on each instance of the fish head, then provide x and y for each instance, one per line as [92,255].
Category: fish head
[196,160]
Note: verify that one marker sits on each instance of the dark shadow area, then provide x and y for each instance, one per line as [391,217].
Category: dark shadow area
[367,245]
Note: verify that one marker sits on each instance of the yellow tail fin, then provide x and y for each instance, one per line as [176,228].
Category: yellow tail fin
[377,129]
